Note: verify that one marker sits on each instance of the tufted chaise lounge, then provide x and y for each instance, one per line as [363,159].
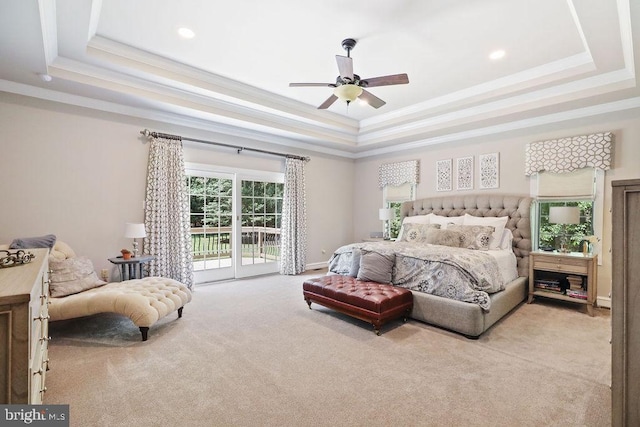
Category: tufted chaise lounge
[144,301]
[372,302]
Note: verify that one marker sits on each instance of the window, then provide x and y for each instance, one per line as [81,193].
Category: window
[549,235]
[210,201]
[235,216]
[261,220]
[583,188]
[394,196]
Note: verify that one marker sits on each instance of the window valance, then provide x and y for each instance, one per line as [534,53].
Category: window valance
[568,154]
[398,173]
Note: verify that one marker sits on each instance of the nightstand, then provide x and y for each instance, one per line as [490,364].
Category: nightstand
[131,268]
[568,277]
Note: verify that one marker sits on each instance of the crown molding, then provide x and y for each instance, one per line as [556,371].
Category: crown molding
[579,113]
[175,99]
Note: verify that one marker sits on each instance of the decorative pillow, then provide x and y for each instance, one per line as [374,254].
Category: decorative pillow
[474,236]
[376,267]
[497,222]
[355,262]
[72,275]
[416,233]
[34,242]
[417,219]
[444,238]
[445,221]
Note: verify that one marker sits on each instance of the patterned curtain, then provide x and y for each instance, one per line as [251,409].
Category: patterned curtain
[167,213]
[293,233]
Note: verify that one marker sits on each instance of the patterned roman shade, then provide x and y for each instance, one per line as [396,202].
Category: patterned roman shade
[398,173]
[568,154]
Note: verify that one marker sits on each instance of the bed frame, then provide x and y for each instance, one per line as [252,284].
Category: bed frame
[465,318]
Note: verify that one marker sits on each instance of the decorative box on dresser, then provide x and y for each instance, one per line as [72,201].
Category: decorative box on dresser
[625,303]
[24,298]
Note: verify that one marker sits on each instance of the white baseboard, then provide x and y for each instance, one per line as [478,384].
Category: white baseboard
[603,302]
[316,265]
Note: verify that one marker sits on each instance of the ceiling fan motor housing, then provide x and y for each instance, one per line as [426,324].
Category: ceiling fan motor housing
[348,44]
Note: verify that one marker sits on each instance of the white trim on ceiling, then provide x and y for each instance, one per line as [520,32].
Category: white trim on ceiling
[183,96]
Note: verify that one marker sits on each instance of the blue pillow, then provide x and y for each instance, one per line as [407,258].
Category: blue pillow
[34,242]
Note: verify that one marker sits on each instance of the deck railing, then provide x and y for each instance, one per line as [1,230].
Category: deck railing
[257,242]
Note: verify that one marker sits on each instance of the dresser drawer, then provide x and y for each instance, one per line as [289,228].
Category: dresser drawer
[38,371]
[563,265]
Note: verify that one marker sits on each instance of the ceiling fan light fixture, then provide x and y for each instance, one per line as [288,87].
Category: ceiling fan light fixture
[348,92]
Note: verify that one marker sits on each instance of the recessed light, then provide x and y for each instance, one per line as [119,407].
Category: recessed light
[186,33]
[497,54]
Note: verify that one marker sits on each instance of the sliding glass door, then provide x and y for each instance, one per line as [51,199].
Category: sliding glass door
[235,222]
[260,220]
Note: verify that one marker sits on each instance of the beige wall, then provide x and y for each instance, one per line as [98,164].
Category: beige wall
[626,165]
[81,174]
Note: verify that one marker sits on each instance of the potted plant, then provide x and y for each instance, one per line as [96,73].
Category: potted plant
[126,254]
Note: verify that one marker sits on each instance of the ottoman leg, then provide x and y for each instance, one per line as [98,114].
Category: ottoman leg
[309,303]
[180,312]
[144,330]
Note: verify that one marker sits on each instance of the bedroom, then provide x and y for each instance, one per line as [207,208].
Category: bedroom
[76,166]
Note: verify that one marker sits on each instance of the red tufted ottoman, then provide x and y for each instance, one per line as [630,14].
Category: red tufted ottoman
[369,301]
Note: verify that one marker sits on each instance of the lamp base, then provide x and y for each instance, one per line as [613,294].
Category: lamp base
[135,248]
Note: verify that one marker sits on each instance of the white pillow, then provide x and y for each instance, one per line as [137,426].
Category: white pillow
[417,219]
[445,220]
[506,243]
[497,222]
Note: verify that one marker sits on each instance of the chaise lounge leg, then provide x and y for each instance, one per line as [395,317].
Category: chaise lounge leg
[180,312]
[144,330]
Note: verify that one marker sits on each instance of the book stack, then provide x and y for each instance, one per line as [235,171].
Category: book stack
[548,285]
[576,289]
[577,293]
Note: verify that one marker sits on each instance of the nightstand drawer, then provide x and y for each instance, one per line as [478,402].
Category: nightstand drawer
[564,265]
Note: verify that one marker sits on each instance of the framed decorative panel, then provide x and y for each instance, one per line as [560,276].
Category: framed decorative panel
[489,170]
[444,175]
[464,169]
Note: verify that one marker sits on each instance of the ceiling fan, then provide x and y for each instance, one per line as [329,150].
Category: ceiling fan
[349,86]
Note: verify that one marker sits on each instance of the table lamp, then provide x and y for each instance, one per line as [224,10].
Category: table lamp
[564,215]
[134,231]
[386,214]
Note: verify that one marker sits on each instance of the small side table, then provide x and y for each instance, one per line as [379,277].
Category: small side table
[131,268]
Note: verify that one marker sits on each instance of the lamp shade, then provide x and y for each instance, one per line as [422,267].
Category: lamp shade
[386,214]
[134,231]
[564,215]
[347,92]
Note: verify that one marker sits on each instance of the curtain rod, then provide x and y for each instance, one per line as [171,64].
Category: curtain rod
[238,148]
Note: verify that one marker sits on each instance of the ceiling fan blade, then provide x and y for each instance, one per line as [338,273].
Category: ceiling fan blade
[394,79]
[345,65]
[371,99]
[311,84]
[326,104]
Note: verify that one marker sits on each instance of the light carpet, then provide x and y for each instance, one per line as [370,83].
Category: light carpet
[250,353]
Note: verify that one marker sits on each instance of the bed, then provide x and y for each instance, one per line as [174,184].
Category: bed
[472,297]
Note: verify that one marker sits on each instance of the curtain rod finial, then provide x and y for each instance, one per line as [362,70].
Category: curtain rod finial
[145,132]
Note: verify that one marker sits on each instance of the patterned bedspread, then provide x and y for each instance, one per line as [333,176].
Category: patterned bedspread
[456,273]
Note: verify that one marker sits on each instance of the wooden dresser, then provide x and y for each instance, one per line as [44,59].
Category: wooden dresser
[625,303]
[24,298]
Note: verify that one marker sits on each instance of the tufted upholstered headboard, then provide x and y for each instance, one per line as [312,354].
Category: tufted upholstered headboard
[517,208]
